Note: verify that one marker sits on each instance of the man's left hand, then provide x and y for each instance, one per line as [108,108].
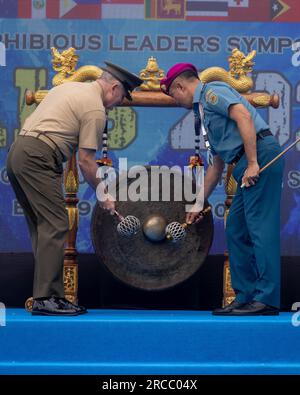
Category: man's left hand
[195,215]
[251,175]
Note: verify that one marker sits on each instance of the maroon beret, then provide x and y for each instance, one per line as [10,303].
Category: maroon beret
[174,72]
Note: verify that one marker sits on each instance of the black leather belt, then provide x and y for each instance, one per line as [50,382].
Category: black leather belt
[263,133]
[259,135]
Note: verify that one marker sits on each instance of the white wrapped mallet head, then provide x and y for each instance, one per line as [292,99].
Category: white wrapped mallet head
[176,231]
[128,226]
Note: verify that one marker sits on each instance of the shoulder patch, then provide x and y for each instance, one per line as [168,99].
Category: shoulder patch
[211,97]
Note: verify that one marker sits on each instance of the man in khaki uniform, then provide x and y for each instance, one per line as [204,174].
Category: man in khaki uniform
[71,117]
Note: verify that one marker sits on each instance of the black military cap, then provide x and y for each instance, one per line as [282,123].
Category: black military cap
[129,81]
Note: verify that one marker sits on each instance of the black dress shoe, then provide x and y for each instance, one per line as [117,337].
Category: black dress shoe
[255,308]
[227,309]
[56,306]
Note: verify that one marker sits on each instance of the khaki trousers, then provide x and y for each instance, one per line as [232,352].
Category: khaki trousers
[35,173]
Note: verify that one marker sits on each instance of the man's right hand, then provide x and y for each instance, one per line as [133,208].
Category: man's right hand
[251,175]
[108,204]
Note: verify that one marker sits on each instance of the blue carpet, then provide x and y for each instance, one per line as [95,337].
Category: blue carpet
[148,342]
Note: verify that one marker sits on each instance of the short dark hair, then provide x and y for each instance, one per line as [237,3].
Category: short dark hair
[188,75]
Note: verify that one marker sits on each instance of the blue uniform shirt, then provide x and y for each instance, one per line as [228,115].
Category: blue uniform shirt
[223,134]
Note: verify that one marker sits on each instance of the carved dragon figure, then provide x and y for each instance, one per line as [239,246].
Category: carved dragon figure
[239,66]
[65,63]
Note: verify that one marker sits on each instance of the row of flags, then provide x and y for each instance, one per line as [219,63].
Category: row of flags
[194,10]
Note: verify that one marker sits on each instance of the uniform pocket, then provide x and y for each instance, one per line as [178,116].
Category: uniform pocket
[240,169]
[33,153]
[58,166]
[57,160]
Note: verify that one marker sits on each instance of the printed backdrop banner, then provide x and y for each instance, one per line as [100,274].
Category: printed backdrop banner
[128,33]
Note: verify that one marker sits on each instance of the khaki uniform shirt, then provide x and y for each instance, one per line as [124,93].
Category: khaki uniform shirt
[72,115]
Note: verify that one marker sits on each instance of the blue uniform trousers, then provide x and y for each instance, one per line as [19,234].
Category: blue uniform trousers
[253,230]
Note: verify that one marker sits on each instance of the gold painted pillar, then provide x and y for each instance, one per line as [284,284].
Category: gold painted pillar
[71,183]
[230,189]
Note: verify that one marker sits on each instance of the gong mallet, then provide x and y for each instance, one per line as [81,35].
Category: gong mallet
[128,226]
[276,158]
[176,231]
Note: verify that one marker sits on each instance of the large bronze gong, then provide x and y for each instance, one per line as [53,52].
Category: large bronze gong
[140,262]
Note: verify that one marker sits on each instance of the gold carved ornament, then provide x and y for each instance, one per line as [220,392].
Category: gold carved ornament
[65,63]
[151,75]
[239,66]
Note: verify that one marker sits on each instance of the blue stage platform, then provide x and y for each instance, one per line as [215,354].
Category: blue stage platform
[148,342]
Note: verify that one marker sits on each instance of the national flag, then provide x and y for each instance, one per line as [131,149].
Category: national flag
[9,8]
[74,9]
[60,9]
[250,11]
[165,9]
[122,9]
[35,9]
[285,10]
[215,10]
[150,9]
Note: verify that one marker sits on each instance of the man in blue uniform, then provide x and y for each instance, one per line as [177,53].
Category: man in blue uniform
[235,133]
